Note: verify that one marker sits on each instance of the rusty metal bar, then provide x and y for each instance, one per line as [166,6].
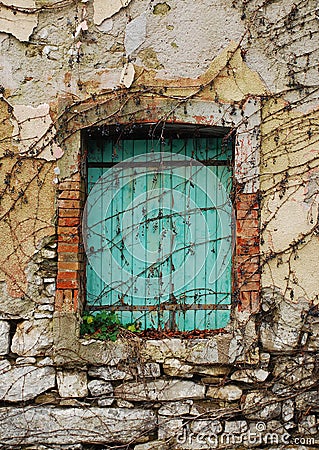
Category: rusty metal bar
[160,307]
[158,164]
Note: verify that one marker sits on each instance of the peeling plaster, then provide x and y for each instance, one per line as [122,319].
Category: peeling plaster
[127,75]
[149,58]
[135,34]
[106,25]
[186,53]
[19,24]
[7,78]
[242,80]
[212,26]
[283,231]
[83,26]
[103,80]
[32,126]
[3,36]
[247,122]
[106,9]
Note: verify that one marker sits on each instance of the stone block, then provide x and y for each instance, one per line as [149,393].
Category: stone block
[308,425]
[149,370]
[103,402]
[205,407]
[47,361]
[153,445]
[109,373]
[283,332]
[49,308]
[4,337]
[175,408]
[235,426]
[202,351]
[104,353]
[33,338]
[25,361]
[72,384]
[214,371]
[227,393]
[100,387]
[242,346]
[4,366]
[71,402]
[14,308]
[160,350]
[264,360]
[205,426]
[273,426]
[160,390]
[261,405]
[308,400]
[124,404]
[24,383]
[296,371]
[288,410]
[168,428]
[51,289]
[213,380]
[48,254]
[48,398]
[53,425]
[176,368]
[250,375]
[43,315]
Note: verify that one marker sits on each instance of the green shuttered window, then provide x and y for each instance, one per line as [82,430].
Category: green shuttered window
[159,241]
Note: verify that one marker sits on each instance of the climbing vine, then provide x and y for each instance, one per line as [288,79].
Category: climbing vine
[34,164]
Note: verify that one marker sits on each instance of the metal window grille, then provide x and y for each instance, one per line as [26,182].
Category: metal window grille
[160,234]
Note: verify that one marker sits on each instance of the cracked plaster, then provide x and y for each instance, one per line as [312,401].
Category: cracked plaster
[19,24]
[106,9]
[32,128]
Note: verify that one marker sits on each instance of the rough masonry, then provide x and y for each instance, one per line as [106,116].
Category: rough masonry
[248,66]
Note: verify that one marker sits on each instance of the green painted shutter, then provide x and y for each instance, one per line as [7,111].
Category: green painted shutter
[161,245]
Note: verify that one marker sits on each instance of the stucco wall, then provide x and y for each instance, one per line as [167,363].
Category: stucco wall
[70,65]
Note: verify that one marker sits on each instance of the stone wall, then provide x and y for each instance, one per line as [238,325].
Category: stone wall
[70,66]
[169,393]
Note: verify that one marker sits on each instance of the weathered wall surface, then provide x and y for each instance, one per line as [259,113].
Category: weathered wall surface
[69,65]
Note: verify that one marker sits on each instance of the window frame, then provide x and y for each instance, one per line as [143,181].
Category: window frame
[245,118]
[149,132]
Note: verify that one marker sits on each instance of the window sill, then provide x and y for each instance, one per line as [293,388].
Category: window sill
[226,347]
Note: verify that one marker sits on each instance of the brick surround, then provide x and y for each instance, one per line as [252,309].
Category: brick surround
[71,261]
[247,252]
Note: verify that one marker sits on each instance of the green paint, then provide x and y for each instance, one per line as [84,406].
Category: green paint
[163,241]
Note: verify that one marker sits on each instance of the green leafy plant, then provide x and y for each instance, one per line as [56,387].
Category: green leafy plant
[104,325]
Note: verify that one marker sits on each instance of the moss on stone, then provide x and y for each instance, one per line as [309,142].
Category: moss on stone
[161,9]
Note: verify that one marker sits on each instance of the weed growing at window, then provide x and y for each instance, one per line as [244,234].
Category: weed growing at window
[104,325]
